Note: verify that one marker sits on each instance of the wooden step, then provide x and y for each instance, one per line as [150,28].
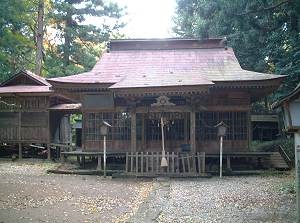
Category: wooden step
[278,162]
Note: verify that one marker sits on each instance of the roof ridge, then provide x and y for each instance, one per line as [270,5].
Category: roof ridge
[162,44]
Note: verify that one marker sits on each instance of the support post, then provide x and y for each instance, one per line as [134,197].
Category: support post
[297,169]
[48,152]
[104,156]
[185,127]
[20,150]
[49,137]
[19,135]
[193,132]
[143,132]
[133,131]
[221,156]
[99,163]
[228,163]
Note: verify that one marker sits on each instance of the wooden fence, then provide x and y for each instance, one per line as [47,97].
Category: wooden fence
[178,163]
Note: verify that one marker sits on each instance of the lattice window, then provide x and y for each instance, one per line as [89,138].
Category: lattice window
[240,125]
[120,125]
[153,131]
[93,122]
[174,130]
[236,121]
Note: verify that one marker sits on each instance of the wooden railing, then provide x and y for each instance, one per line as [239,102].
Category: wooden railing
[285,156]
[178,163]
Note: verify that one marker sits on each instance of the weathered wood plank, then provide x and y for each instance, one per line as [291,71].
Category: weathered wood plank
[183,164]
[131,162]
[126,163]
[136,162]
[203,162]
[173,163]
[199,162]
[147,162]
[142,162]
[228,163]
[168,162]
[193,131]
[99,166]
[194,163]
[20,151]
[177,164]
[157,162]
[152,162]
[133,131]
[188,163]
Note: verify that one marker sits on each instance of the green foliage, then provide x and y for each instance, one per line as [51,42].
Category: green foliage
[288,187]
[16,36]
[271,146]
[71,45]
[79,44]
[264,34]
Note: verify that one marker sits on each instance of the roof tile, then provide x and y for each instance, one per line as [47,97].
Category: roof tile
[166,67]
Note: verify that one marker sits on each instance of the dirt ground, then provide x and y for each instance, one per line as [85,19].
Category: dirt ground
[29,194]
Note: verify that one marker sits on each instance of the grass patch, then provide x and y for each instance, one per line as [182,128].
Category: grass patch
[274,173]
[271,146]
[289,186]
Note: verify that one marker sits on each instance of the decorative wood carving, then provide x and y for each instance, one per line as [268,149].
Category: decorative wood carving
[163,101]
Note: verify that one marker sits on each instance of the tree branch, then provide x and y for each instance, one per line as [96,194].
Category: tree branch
[264,9]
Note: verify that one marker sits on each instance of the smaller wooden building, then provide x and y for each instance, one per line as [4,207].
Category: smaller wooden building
[31,113]
[289,105]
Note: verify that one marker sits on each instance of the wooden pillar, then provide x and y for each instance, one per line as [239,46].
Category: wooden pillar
[228,162]
[133,131]
[83,161]
[49,138]
[83,120]
[20,150]
[249,129]
[193,131]
[19,135]
[185,127]
[143,132]
[48,151]
[99,166]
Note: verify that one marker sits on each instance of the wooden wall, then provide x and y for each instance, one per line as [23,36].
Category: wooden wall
[218,101]
[24,120]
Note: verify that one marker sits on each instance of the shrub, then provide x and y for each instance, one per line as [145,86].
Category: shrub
[287,145]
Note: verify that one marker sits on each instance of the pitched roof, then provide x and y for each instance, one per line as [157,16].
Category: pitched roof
[37,79]
[170,62]
[36,84]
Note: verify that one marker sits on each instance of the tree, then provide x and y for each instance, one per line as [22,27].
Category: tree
[79,42]
[63,39]
[39,38]
[16,36]
[264,33]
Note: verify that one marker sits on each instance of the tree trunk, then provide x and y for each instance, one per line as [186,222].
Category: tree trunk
[67,37]
[39,38]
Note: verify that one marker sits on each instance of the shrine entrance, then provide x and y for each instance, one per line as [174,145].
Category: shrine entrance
[176,131]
